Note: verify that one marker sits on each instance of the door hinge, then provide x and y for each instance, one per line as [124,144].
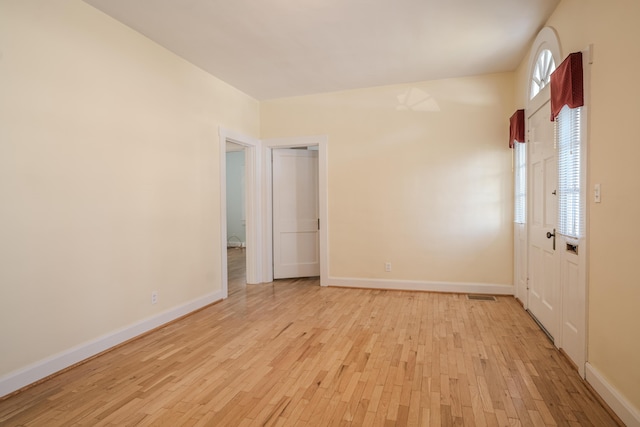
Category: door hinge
[318,223]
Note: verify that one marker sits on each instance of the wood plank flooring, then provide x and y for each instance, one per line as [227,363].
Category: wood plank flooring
[293,353]
[236,270]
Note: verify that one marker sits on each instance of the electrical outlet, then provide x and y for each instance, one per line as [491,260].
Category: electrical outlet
[387,266]
[154,297]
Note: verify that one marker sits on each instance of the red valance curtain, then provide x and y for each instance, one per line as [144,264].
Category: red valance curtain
[566,85]
[516,128]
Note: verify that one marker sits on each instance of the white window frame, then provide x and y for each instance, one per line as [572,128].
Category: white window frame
[520,183]
[541,76]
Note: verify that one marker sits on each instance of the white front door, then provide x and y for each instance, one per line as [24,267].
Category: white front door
[543,271]
[296,249]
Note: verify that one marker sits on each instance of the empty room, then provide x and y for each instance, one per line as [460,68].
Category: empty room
[408,212]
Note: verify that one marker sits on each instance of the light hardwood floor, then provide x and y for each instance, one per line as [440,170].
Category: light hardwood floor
[236,270]
[293,353]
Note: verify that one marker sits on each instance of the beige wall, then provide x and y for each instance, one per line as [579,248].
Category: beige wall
[419,175]
[109,182]
[613,150]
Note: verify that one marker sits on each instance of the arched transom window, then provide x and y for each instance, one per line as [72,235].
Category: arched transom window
[545,65]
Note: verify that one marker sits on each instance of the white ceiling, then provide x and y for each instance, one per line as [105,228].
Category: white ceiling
[280,48]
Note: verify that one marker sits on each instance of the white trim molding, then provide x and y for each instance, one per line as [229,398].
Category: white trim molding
[42,369]
[629,414]
[413,285]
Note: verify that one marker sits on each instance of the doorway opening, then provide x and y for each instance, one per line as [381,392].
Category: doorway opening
[549,270]
[236,217]
[244,234]
[316,144]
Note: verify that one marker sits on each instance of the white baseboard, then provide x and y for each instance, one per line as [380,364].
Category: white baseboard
[411,285]
[46,367]
[629,414]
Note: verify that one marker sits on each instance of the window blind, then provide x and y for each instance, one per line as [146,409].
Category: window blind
[570,212]
[520,184]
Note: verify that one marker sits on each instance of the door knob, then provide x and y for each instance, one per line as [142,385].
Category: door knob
[550,235]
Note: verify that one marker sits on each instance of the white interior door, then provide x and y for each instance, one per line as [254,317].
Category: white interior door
[543,269]
[296,249]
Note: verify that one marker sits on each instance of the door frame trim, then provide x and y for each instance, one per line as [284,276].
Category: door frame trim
[268,145]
